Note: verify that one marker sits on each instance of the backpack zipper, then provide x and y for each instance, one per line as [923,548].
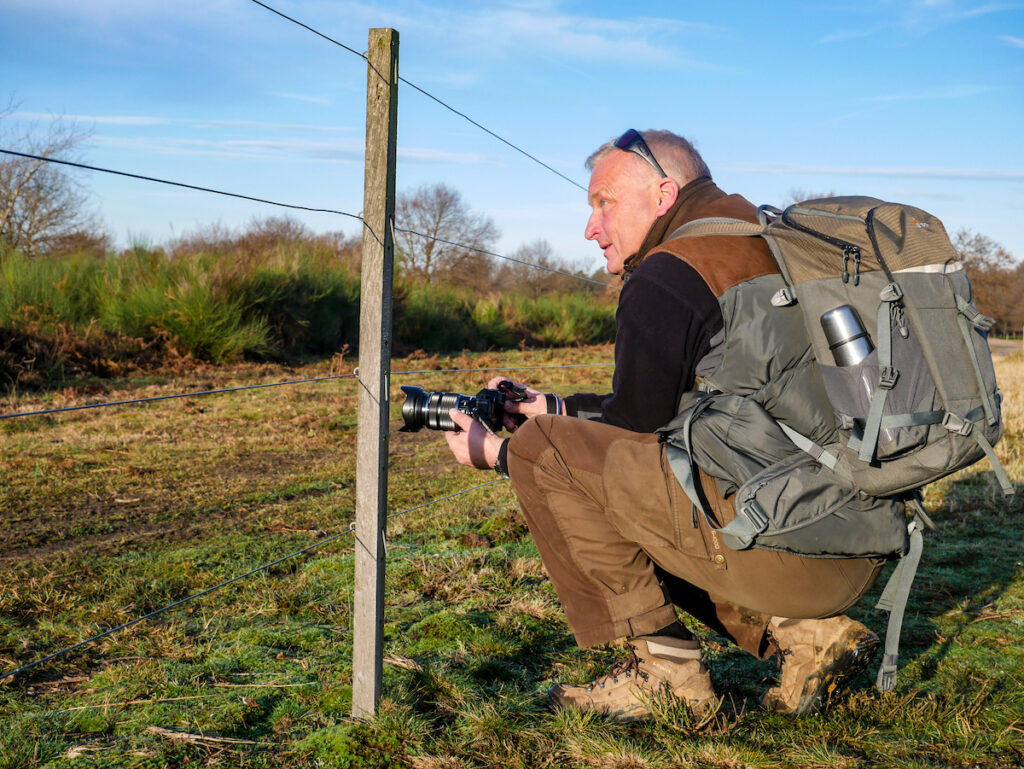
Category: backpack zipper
[850,250]
[897,307]
[854,252]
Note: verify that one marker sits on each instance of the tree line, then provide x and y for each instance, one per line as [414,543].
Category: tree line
[45,212]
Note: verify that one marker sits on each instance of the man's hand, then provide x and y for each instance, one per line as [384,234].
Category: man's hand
[533,404]
[473,446]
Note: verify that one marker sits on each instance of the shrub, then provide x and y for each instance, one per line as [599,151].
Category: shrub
[275,292]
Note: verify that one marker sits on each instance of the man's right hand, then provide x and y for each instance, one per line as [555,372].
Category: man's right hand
[533,404]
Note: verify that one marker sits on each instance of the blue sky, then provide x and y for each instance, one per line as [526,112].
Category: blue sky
[920,101]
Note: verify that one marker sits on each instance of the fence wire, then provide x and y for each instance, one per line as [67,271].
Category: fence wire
[179,184]
[429,96]
[472,249]
[351,529]
[316,545]
[484,252]
[155,398]
[355,375]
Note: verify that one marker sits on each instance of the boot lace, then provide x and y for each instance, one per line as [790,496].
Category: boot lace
[627,668]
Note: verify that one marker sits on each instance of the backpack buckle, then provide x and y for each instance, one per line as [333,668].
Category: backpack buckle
[957,425]
[887,376]
[754,513]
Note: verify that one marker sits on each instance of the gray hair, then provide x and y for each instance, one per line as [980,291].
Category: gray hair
[676,155]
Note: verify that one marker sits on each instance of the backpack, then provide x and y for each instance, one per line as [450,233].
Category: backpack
[883,304]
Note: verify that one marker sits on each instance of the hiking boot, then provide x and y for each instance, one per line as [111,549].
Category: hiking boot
[656,665]
[819,657]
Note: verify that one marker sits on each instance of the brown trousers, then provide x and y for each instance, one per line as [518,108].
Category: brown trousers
[616,533]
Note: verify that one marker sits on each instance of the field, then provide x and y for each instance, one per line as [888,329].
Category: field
[112,513]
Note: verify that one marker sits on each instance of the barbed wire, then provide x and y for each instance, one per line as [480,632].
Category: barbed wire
[86,167]
[508,258]
[429,95]
[197,393]
[489,131]
[154,398]
[351,529]
[142,177]
[320,543]
[500,368]
[314,31]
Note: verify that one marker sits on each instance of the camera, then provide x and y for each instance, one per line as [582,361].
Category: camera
[430,410]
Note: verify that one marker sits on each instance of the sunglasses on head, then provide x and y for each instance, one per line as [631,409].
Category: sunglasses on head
[632,141]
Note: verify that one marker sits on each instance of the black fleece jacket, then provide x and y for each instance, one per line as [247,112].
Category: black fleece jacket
[664,323]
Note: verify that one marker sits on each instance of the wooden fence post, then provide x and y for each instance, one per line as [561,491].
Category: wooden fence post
[374,369]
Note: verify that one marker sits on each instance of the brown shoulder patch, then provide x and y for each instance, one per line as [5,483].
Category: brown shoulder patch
[724,261]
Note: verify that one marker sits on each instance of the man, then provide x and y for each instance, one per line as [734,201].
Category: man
[618,536]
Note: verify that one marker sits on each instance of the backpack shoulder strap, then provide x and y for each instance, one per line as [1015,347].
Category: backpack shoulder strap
[716,225]
[720,225]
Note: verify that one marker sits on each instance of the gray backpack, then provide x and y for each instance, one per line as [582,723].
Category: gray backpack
[876,295]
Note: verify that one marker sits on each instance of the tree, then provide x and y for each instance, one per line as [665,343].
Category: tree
[800,195]
[997,280]
[42,208]
[438,219]
[523,278]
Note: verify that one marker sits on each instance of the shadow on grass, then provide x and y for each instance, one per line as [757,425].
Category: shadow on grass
[969,563]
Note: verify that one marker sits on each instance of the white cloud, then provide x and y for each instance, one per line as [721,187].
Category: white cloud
[338,151]
[843,35]
[931,94]
[105,11]
[303,98]
[153,120]
[900,172]
[537,26]
[1017,42]
[426,155]
[265,126]
[123,120]
[919,17]
[926,15]
[263,149]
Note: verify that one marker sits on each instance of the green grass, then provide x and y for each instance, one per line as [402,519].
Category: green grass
[259,674]
[65,317]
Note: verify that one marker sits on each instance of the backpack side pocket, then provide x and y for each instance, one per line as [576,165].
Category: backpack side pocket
[799,506]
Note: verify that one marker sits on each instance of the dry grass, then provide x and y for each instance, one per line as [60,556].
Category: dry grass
[260,673]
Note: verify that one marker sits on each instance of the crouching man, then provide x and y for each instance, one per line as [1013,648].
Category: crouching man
[621,541]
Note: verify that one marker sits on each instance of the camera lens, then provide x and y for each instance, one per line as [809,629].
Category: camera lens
[430,410]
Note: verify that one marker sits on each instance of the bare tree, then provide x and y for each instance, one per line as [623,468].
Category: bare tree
[41,206]
[533,274]
[800,195]
[997,279]
[442,226]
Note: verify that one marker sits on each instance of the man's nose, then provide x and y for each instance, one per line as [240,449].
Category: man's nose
[591,231]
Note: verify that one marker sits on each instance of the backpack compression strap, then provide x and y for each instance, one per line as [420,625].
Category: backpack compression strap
[968,317]
[889,309]
[894,601]
[750,520]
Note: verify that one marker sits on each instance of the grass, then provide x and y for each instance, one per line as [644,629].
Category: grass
[113,513]
[289,300]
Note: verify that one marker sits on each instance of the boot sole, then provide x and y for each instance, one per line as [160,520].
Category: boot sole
[628,714]
[833,677]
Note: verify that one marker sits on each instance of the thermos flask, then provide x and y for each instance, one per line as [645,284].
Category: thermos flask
[846,336]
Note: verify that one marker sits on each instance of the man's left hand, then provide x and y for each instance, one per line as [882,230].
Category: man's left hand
[472,446]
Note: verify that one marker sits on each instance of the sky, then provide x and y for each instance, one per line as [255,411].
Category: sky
[915,101]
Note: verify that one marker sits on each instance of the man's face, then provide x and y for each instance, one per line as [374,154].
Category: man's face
[624,201]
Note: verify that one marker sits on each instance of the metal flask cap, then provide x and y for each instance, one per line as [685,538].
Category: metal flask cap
[847,338]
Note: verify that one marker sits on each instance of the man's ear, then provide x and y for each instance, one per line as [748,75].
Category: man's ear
[668,193]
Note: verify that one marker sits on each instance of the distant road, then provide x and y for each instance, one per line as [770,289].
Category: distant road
[1003,347]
